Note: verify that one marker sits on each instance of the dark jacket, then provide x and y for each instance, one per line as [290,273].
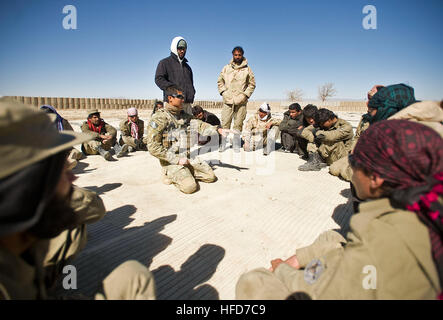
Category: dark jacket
[291,125]
[170,72]
[210,118]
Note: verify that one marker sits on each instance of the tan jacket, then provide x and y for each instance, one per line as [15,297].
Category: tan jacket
[390,241]
[125,128]
[340,131]
[107,129]
[257,127]
[236,83]
[428,113]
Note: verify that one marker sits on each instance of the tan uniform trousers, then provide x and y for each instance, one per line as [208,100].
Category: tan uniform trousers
[258,142]
[129,281]
[183,177]
[341,168]
[262,284]
[130,141]
[329,151]
[236,112]
[91,147]
[73,157]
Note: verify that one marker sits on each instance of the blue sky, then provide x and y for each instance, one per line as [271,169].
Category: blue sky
[289,44]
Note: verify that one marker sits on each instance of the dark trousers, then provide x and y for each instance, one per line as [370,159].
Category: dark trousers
[288,141]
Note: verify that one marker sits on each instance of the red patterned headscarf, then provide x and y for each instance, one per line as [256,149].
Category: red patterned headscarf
[409,156]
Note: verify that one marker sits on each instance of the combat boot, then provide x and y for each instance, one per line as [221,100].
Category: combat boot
[312,164]
[120,151]
[105,154]
[319,160]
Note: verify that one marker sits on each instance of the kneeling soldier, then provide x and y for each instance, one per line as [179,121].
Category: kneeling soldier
[168,140]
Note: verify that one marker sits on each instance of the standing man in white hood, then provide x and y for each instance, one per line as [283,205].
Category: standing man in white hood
[175,71]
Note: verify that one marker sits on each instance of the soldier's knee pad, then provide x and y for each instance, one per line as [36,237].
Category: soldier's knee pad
[187,185]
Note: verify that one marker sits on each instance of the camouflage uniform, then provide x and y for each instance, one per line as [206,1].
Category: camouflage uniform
[256,134]
[126,138]
[91,147]
[168,139]
[341,167]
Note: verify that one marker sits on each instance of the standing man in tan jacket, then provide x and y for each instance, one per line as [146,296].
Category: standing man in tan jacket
[236,83]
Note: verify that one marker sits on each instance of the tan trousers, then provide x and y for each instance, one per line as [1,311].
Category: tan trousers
[258,141]
[341,168]
[331,152]
[183,177]
[236,112]
[91,147]
[262,284]
[129,281]
[130,141]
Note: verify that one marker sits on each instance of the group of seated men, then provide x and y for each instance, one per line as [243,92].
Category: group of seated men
[393,249]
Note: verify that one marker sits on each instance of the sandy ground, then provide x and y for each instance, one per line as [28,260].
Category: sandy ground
[198,245]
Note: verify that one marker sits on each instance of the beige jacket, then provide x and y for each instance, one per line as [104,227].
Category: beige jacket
[257,127]
[428,113]
[236,83]
[393,244]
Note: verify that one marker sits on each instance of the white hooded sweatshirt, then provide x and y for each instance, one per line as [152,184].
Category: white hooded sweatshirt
[174,44]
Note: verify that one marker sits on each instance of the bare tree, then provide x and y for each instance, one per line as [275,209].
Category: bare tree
[326,91]
[295,95]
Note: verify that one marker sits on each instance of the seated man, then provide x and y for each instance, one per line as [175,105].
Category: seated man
[261,130]
[131,132]
[63,124]
[341,168]
[331,142]
[41,212]
[168,140]
[306,135]
[106,137]
[207,117]
[393,248]
[291,128]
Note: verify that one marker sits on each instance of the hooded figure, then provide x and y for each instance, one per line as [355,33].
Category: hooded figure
[175,71]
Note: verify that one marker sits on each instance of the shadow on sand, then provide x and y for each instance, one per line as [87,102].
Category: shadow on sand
[111,242]
[104,188]
[343,213]
[184,284]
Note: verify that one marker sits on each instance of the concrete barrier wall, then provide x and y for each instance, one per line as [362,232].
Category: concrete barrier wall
[107,103]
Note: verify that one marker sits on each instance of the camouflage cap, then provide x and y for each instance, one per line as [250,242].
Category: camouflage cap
[28,135]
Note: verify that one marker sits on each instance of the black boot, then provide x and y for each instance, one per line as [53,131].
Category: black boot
[105,154]
[315,163]
[120,151]
[319,160]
